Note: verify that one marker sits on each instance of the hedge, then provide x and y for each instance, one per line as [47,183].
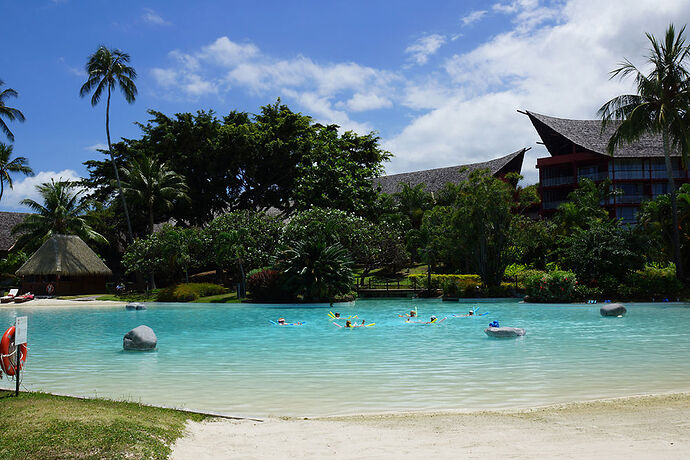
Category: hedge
[187,292]
[437,281]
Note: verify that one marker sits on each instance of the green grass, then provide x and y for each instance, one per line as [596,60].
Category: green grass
[220,298]
[42,426]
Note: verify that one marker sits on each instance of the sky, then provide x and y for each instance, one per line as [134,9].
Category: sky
[439,81]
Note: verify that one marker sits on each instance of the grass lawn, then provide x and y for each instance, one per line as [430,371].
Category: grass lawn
[41,426]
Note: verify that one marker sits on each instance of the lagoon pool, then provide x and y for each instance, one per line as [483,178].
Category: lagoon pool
[231,359]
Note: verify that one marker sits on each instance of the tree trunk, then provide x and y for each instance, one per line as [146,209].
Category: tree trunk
[243,289]
[151,220]
[680,274]
[2,187]
[117,174]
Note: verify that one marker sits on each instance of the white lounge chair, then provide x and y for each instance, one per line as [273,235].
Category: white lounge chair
[10,296]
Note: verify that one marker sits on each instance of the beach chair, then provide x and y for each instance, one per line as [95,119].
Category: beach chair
[10,296]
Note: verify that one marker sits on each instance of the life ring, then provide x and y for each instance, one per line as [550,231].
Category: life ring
[50,288]
[7,361]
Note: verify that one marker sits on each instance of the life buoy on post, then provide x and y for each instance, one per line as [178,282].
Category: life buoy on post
[50,288]
[7,361]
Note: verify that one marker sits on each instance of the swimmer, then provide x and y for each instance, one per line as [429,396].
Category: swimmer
[336,314]
[348,323]
[432,319]
[471,313]
[281,321]
[362,322]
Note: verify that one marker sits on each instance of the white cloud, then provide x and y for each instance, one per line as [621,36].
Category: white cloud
[96,147]
[473,17]
[558,66]
[424,47]
[324,89]
[151,17]
[26,188]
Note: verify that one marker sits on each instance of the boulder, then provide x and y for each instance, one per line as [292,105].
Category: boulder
[504,332]
[612,309]
[140,338]
[135,306]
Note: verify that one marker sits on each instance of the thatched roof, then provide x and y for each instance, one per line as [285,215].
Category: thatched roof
[65,255]
[435,179]
[7,222]
[560,135]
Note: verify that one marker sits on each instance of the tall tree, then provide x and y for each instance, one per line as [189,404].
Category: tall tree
[107,69]
[62,212]
[660,107]
[153,186]
[8,112]
[17,165]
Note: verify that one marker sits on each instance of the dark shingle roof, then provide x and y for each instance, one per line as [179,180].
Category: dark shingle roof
[559,135]
[7,221]
[436,179]
[65,255]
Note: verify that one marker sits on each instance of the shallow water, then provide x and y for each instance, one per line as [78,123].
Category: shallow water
[231,359]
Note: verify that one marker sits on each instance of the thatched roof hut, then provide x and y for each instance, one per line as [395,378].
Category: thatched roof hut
[66,263]
[7,222]
[435,179]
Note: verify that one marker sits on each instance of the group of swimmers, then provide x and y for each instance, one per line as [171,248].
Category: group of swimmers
[352,324]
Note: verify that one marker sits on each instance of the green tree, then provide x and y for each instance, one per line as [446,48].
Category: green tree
[153,187]
[16,165]
[10,113]
[414,202]
[482,221]
[107,69]
[316,271]
[336,172]
[660,107]
[583,207]
[62,212]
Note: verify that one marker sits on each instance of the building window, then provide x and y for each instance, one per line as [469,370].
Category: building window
[658,167]
[630,193]
[591,173]
[628,215]
[560,175]
[629,169]
[659,189]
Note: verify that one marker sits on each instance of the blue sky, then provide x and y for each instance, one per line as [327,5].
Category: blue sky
[440,81]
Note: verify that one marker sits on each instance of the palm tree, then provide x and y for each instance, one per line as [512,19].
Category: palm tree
[7,166]
[153,186]
[107,69]
[660,107]
[8,112]
[62,212]
[413,202]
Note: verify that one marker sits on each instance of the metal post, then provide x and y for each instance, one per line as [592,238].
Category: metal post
[17,352]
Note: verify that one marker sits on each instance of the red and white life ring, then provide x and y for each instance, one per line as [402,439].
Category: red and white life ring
[8,362]
[50,288]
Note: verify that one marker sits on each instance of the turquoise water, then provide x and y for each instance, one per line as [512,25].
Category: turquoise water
[229,358]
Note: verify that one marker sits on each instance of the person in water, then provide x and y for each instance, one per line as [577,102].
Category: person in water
[281,321]
[471,313]
[432,319]
[348,323]
[362,322]
[336,314]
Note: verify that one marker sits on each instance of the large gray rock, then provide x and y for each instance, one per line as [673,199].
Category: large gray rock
[140,338]
[504,332]
[612,309]
[135,306]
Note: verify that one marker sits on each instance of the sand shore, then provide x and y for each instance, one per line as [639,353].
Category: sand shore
[91,302]
[629,428]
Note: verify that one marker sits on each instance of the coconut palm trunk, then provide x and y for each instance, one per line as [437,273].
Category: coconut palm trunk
[117,174]
[674,207]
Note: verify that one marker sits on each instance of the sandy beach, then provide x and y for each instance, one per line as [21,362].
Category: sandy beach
[647,427]
[86,302]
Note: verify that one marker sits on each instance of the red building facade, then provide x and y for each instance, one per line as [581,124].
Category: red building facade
[578,150]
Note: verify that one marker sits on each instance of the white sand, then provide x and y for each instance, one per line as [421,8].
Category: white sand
[647,427]
[65,303]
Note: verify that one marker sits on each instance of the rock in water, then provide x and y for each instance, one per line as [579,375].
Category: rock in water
[612,309]
[140,338]
[135,306]
[504,332]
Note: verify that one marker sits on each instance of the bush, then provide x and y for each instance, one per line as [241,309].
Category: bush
[463,281]
[652,282]
[451,287]
[187,292]
[556,286]
[584,293]
[265,285]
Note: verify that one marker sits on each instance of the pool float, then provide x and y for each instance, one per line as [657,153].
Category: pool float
[434,321]
[468,316]
[7,360]
[613,309]
[302,323]
[332,316]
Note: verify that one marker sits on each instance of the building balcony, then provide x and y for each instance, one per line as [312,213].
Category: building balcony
[558,180]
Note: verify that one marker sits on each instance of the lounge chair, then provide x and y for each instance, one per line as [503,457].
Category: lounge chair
[10,296]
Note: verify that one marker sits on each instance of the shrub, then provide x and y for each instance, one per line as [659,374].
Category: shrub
[584,293]
[187,292]
[652,282]
[265,285]
[451,287]
[463,281]
[556,286]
